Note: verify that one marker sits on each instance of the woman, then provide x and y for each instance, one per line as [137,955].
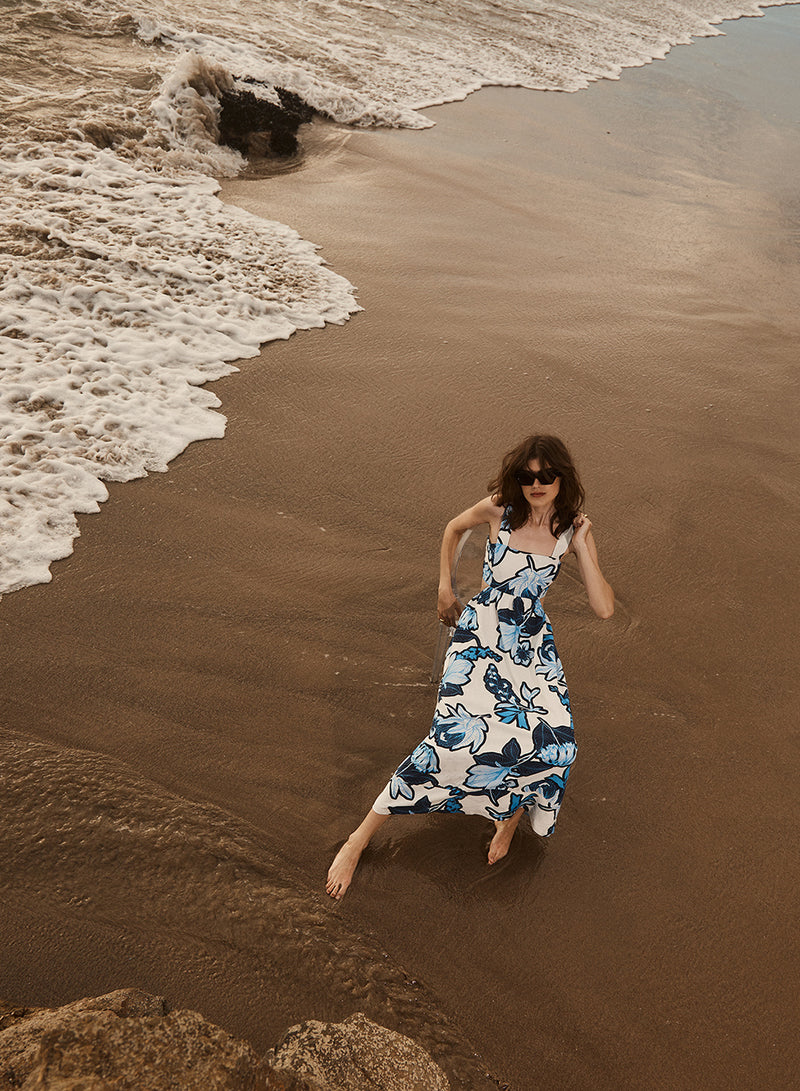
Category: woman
[502,741]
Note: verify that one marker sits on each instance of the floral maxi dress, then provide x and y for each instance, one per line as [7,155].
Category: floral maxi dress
[502,734]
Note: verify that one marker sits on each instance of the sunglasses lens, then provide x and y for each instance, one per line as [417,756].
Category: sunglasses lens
[544,477]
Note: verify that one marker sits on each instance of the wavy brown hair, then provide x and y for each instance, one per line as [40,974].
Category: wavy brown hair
[551,454]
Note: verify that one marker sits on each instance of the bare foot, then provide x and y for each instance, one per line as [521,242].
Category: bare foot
[341,870]
[501,842]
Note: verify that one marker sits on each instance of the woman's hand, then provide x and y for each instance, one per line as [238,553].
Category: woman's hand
[583,525]
[448,607]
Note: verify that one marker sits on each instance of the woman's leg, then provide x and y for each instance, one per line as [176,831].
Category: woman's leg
[346,860]
[504,831]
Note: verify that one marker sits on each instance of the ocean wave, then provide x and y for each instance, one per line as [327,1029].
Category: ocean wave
[369,64]
[130,285]
[132,288]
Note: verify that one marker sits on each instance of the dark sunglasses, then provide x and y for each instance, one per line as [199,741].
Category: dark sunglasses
[544,477]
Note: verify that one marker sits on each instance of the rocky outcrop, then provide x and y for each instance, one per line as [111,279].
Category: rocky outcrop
[129,1041]
[357,1054]
[124,1040]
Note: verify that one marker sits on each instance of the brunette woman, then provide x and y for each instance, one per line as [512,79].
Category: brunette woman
[502,741]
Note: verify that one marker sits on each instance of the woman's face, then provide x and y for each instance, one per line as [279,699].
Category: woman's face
[538,494]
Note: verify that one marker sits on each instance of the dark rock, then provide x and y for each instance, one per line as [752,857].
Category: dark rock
[253,125]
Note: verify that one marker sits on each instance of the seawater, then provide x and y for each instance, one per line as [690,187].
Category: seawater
[127,285]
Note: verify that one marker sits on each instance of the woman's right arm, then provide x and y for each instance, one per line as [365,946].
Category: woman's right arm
[485,511]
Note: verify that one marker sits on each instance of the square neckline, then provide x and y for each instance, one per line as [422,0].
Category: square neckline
[554,556]
[530,552]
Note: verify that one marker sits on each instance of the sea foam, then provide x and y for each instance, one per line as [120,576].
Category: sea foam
[373,64]
[133,287]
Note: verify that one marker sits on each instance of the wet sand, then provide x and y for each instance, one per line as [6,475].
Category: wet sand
[253,631]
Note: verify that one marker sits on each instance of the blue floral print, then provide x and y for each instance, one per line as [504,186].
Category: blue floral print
[531,582]
[502,735]
[510,625]
[416,769]
[455,676]
[424,758]
[548,659]
[497,685]
[399,787]
[558,755]
[561,693]
[516,709]
[468,619]
[479,652]
[546,737]
[459,729]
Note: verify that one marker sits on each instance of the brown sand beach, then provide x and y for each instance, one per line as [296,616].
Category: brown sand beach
[219,681]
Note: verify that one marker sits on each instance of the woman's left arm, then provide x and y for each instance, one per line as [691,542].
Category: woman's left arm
[601,596]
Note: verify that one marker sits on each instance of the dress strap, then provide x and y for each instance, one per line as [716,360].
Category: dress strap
[499,548]
[562,542]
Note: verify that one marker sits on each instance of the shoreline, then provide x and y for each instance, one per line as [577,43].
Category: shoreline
[259,620]
[247,122]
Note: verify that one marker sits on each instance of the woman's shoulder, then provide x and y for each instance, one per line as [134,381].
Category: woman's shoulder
[495,513]
[484,511]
